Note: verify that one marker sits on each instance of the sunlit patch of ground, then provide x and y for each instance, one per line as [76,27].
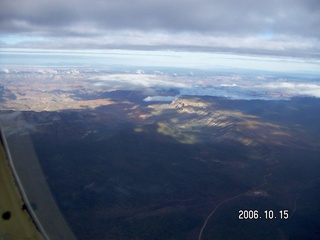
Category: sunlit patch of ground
[192,119]
[48,93]
[180,136]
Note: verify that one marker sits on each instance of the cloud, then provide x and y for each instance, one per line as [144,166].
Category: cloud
[139,80]
[232,92]
[281,45]
[233,87]
[273,90]
[287,27]
[147,83]
[160,98]
[292,89]
[5,70]
[240,17]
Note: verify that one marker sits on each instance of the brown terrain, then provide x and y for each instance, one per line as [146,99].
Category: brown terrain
[183,168]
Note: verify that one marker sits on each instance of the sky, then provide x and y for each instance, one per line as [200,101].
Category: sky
[283,29]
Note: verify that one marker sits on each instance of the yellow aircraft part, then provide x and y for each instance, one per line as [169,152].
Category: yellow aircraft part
[15,221]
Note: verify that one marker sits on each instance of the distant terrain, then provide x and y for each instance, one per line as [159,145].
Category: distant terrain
[150,161]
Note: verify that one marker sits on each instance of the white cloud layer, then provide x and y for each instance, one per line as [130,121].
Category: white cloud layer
[160,98]
[129,81]
[126,39]
[292,89]
[234,87]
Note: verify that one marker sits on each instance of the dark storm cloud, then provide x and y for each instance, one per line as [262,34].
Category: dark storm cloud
[272,19]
